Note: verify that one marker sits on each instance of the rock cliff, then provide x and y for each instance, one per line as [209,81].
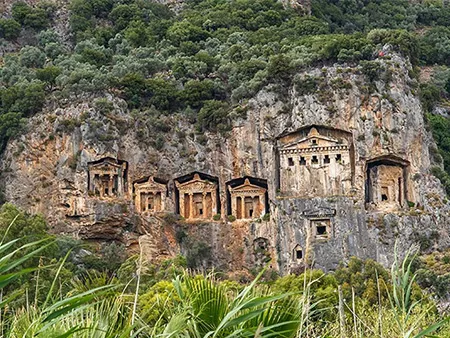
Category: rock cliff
[342,156]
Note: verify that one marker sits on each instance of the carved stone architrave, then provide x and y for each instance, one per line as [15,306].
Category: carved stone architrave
[321,212]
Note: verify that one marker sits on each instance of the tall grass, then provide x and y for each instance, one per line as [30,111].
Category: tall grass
[202,306]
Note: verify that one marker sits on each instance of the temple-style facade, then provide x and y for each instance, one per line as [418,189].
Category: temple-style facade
[150,195]
[315,161]
[248,201]
[107,177]
[197,197]
[386,187]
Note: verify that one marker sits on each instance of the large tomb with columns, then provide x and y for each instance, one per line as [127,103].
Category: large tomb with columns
[316,161]
[247,197]
[197,196]
[386,183]
[107,177]
[150,195]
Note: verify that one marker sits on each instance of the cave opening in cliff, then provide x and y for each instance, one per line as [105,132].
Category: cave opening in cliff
[247,197]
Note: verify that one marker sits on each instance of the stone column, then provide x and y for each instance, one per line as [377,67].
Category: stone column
[234,206]
[92,182]
[214,202]
[110,185]
[256,207]
[120,183]
[181,203]
[262,202]
[137,200]
[191,201]
[205,213]
[163,201]
[243,213]
[101,187]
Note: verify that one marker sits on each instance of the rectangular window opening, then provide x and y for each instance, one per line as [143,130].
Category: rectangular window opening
[291,161]
[338,158]
[326,159]
[299,254]
[321,230]
[302,161]
[314,160]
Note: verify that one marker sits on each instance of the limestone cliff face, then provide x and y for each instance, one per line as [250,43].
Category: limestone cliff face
[345,162]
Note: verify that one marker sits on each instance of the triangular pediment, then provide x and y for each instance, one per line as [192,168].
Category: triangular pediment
[307,142]
[150,185]
[196,184]
[247,186]
[105,164]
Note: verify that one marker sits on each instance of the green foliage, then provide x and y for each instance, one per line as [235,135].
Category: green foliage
[10,125]
[9,29]
[37,17]
[24,97]
[198,254]
[32,57]
[48,75]
[440,127]
[214,116]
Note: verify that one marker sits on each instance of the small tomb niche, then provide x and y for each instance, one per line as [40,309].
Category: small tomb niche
[297,254]
[386,187]
[107,177]
[197,196]
[261,251]
[321,228]
[247,198]
[150,195]
[315,161]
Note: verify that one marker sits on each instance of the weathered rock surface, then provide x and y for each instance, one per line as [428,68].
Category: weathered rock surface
[46,171]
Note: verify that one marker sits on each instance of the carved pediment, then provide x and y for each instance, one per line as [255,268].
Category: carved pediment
[196,185]
[319,212]
[149,185]
[247,188]
[106,164]
[314,142]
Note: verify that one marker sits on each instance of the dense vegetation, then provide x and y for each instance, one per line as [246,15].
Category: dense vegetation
[51,288]
[202,63]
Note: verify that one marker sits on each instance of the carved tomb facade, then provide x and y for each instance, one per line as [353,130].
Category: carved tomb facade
[315,161]
[197,198]
[107,177]
[248,201]
[150,195]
